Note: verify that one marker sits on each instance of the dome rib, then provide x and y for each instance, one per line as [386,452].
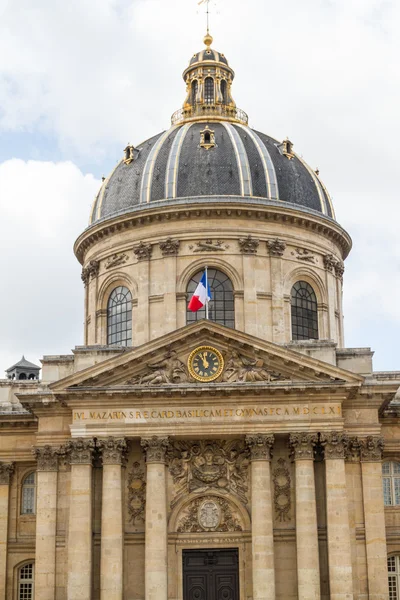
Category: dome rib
[246,184]
[146,185]
[171,178]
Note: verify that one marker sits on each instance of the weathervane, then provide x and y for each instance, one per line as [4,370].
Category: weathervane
[207,2]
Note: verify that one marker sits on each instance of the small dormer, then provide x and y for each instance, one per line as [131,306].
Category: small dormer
[23,371]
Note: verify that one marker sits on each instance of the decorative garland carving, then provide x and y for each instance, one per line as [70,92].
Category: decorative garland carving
[143,251]
[6,471]
[260,446]
[335,444]
[209,513]
[282,497]
[168,370]
[209,246]
[304,255]
[302,445]
[170,247]
[371,448]
[276,247]
[206,464]
[47,458]
[155,448]
[90,271]
[136,493]
[113,450]
[116,260]
[242,368]
[248,245]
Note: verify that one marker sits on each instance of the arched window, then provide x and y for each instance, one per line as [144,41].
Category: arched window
[393,563]
[224,92]
[209,90]
[28,495]
[26,575]
[195,87]
[221,308]
[22,376]
[391,483]
[304,312]
[119,317]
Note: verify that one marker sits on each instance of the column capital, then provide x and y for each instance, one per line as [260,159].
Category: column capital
[113,450]
[335,444]
[371,448]
[6,470]
[155,448]
[353,450]
[260,445]
[80,451]
[302,445]
[46,457]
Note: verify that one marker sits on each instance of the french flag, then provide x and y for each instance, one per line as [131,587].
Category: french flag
[202,294]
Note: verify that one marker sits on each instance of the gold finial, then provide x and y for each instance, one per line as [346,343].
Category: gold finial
[208,39]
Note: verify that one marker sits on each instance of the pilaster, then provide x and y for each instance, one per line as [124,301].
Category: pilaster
[6,471]
[276,249]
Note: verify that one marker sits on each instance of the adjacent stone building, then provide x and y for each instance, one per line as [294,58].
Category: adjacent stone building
[250,455]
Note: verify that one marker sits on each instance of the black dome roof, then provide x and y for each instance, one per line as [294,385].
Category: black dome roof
[244,164]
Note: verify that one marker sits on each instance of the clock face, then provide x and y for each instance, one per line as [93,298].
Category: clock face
[205,363]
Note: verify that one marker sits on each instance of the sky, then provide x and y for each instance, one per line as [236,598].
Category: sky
[80,79]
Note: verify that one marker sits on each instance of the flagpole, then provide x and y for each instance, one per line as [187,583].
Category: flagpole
[206,293]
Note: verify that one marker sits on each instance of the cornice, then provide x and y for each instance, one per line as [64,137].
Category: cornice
[214,207]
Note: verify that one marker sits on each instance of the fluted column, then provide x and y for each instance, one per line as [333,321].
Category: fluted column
[308,576]
[79,585]
[374,514]
[6,470]
[156,565]
[113,453]
[46,521]
[262,534]
[339,546]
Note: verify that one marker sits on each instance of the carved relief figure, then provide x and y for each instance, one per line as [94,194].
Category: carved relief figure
[168,370]
[208,514]
[198,466]
[242,368]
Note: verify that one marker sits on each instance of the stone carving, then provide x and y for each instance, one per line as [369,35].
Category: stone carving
[353,450]
[339,270]
[136,493]
[155,448]
[242,368]
[6,471]
[47,458]
[304,255]
[335,444]
[248,245]
[143,251]
[113,450]
[168,370]
[260,446]
[169,247]
[329,262]
[276,247]
[80,451]
[209,246]
[90,271]
[282,498]
[116,260]
[211,513]
[199,466]
[302,445]
[371,448]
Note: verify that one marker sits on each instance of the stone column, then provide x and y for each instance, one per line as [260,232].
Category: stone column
[6,470]
[79,583]
[374,515]
[156,565]
[337,513]
[46,522]
[308,577]
[262,534]
[113,453]
[276,248]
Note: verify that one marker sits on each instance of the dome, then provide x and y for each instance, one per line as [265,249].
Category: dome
[174,166]
[208,55]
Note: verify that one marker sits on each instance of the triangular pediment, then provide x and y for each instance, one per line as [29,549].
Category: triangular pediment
[164,362]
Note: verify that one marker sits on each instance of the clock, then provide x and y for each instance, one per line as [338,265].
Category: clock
[205,363]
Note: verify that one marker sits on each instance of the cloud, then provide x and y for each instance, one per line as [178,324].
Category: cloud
[95,75]
[44,207]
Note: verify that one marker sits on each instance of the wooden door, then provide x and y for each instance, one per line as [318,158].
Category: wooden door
[211,574]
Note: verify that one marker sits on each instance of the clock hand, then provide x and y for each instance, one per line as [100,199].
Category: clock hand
[205,361]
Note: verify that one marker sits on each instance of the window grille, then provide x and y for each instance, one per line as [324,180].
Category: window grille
[221,308]
[209,90]
[195,87]
[304,312]
[393,564]
[391,483]
[28,495]
[26,582]
[119,317]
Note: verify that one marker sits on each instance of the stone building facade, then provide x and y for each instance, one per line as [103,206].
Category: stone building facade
[250,455]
